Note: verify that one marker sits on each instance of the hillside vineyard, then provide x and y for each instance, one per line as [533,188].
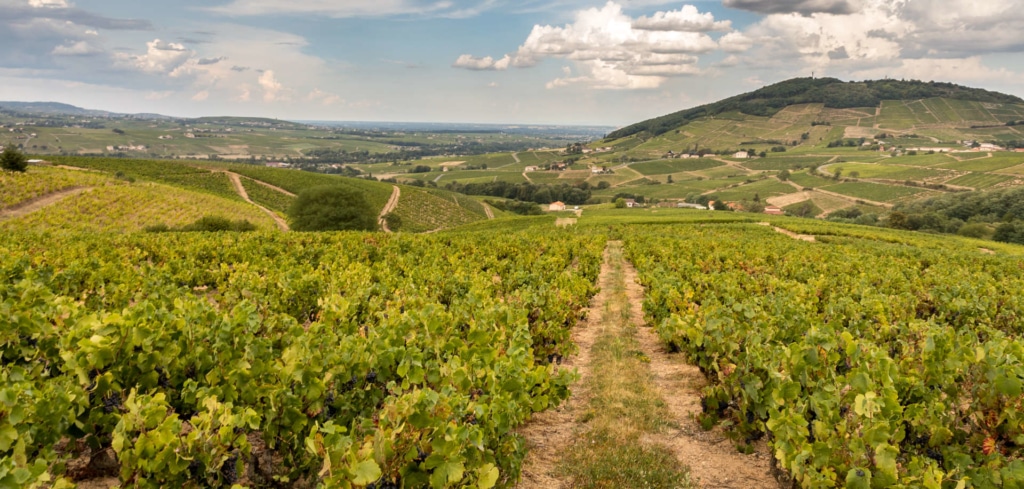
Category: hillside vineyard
[866,364]
[207,360]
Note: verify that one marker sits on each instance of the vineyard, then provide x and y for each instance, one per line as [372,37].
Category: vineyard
[16,188]
[866,364]
[130,208]
[267,359]
[266,196]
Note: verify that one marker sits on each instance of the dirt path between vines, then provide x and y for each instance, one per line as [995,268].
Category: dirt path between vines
[713,460]
[488,211]
[550,432]
[272,187]
[236,180]
[31,205]
[802,237]
[390,206]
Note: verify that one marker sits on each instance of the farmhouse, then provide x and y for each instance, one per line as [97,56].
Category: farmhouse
[741,155]
[631,203]
[528,169]
[685,205]
[556,206]
[774,211]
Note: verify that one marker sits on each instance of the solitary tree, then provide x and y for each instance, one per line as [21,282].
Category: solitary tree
[331,209]
[13,160]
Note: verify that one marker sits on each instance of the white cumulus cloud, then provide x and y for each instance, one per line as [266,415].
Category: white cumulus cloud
[905,38]
[687,19]
[160,58]
[80,48]
[48,3]
[613,50]
[272,89]
[324,98]
[470,62]
[348,8]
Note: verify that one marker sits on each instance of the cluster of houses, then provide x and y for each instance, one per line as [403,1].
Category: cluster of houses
[130,147]
[557,166]
[671,155]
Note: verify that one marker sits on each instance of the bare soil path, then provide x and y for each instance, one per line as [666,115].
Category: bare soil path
[390,206]
[488,211]
[802,237]
[713,459]
[671,388]
[29,206]
[273,187]
[240,189]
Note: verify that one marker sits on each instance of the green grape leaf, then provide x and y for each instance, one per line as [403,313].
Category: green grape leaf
[858,478]
[365,472]
[8,435]
[1008,386]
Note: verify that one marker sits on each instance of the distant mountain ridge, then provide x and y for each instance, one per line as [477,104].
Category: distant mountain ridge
[52,108]
[832,92]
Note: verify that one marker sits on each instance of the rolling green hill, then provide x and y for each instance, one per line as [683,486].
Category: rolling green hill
[830,92]
[112,194]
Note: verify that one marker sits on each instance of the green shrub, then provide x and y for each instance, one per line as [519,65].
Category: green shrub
[205,224]
[975,230]
[13,160]
[331,209]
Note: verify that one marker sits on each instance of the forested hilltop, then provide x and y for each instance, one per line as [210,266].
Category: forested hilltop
[832,92]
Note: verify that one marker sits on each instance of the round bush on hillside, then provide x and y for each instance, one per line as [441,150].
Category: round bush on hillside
[331,209]
[13,160]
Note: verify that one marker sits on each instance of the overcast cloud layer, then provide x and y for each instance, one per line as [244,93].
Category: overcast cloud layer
[563,61]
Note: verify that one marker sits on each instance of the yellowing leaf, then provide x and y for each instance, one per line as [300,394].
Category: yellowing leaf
[487,476]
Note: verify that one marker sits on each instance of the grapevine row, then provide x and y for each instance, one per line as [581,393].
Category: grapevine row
[340,360]
[867,364]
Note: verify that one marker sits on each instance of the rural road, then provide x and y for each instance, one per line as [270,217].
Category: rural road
[240,189]
[488,211]
[29,206]
[515,156]
[390,206]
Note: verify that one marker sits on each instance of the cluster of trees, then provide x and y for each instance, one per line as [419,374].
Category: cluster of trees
[997,215]
[849,143]
[577,194]
[517,207]
[829,91]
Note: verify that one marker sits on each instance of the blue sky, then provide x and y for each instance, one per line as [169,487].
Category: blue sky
[498,61]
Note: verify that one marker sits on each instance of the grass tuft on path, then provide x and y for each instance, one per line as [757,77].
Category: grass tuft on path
[624,406]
